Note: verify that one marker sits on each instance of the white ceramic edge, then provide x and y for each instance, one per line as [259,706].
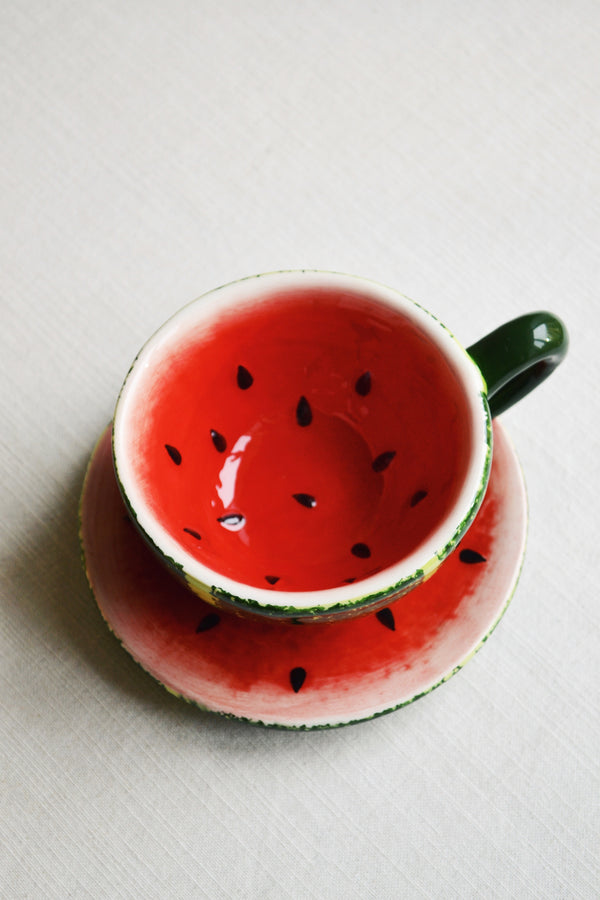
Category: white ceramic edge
[244,291]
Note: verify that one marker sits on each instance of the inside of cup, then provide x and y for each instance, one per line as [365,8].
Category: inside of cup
[301,442]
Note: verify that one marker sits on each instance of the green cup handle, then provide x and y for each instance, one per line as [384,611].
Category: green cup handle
[518,356]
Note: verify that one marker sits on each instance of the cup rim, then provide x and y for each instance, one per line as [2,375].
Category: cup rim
[365,593]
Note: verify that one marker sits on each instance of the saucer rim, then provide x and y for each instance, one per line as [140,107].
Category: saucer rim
[335,723]
[328,726]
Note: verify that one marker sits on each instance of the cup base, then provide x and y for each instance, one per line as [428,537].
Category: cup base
[293,676]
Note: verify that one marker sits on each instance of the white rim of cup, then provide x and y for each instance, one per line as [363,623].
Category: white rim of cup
[413,568]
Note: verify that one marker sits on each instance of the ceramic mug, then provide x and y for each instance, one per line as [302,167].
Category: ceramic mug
[311,445]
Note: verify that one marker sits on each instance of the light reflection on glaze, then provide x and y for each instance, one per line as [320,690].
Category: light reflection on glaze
[228,474]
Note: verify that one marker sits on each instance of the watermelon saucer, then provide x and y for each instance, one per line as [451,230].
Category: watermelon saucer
[304,676]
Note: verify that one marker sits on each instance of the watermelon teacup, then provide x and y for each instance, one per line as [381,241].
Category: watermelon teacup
[310,445]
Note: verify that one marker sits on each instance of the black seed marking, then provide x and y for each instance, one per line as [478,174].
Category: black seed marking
[244,378]
[361,550]
[471,556]
[297,677]
[363,384]
[303,412]
[349,580]
[382,461]
[272,579]
[193,533]
[174,454]
[218,440]
[386,617]
[232,521]
[209,621]
[305,500]
[417,497]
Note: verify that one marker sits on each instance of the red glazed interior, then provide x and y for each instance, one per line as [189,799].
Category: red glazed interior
[303,443]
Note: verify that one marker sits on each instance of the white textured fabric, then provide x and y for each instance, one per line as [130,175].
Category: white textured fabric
[153,150]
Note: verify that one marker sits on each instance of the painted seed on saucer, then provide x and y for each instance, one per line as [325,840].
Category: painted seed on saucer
[471,556]
[297,678]
[209,621]
[386,617]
